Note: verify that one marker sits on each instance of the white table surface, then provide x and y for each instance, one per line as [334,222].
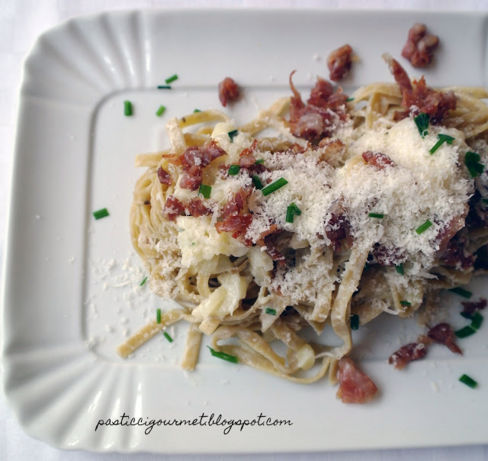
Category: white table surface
[21,21]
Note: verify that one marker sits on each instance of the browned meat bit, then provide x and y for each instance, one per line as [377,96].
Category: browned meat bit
[163,176]
[338,230]
[443,334]
[455,255]
[193,160]
[234,219]
[406,354]
[418,97]
[420,46]
[229,91]
[322,113]
[173,208]
[332,152]
[196,208]
[470,307]
[377,159]
[339,62]
[354,385]
[387,256]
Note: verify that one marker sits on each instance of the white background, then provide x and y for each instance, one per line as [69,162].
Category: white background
[21,22]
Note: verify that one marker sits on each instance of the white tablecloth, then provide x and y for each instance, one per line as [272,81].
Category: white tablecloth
[21,21]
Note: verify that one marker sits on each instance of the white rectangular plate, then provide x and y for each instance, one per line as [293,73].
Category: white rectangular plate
[72,289]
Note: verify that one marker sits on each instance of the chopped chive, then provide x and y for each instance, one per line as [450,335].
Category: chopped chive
[259,161]
[422,122]
[168,337]
[234,169]
[476,321]
[127,108]
[205,190]
[405,303]
[400,269]
[484,200]
[442,139]
[171,79]
[466,315]
[223,355]
[461,292]
[349,99]
[158,316]
[164,87]
[195,111]
[99,214]
[257,182]
[376,215]
[472,162]
[291,211]
[470,382]
[270,311]
[232,134]
[274,186]
[465,332]
[423,227]
[143,282]
[354,321]
[160,111]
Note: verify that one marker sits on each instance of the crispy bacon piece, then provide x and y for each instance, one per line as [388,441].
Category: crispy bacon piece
[338,230]
[318,118]
[339,62]
[173,208]
[420,46]
[332,152]
[194,160]
[377,159]
[354,385]
[237,225]
[229,91]
[236,204]
[443,334]
[419,96]
[386,256]
[470,307]
[455,256]
[449,230]
[406,354]
[269,240]
[197,208]
[163,176]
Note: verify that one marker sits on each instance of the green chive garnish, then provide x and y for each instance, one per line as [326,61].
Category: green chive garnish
[158,316]
[274,186]
[423,227]
[399,268]
[160,111]
[195,111]
[234,169]
[472,162]
[257,182]
[164,87]
[259,161]
[461,292]
[442,139]
[127,108]
[232,134]
[376,215]
[223,355]
[465,332]
[171,79]
[270,311]
[143,282]
[291,211]
[422,122]
[484,200]
[470,382]
[476,320]
[405,303]
[205,190]
[349,99]
[168,337]
[354,321]
[102,213]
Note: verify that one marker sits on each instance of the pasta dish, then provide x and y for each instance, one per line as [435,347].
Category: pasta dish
[279,236]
